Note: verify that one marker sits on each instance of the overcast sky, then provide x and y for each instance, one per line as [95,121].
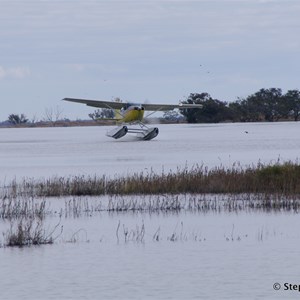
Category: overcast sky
[154,51]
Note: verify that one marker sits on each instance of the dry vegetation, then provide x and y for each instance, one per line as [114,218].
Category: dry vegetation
[265,187]
[27,232]
[282,179]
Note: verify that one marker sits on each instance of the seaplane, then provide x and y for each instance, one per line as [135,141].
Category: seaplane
[129,116]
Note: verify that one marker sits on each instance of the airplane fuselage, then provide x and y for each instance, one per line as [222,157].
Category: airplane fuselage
[132,113]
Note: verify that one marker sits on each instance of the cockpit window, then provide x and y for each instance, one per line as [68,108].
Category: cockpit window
[134,106]
[126,105]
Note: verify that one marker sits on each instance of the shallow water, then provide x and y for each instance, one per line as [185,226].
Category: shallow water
[86,150]
[226,255]
[214,256]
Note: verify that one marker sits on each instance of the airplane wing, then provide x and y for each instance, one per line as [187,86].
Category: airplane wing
[119,105]
[97,103]
[164,107]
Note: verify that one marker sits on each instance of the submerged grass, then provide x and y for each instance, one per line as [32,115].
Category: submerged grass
[173,204]
[16,208]
[281,179]
[28,232]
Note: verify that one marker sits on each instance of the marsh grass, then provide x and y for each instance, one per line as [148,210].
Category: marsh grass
[26,219]
[174,204]
[77,236]
[267,187]
[22,207]
[198,189]
[136,234]
[139,234]
[28,232]
[281,179]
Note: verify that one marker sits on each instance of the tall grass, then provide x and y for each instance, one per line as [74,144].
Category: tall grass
[26,218]
[264,187]
[27,232]
[16,208]
[281,179]
[166,204]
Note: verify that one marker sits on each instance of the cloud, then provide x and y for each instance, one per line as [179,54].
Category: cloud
[14,72]
[130,48]
[76,67]
[110,32]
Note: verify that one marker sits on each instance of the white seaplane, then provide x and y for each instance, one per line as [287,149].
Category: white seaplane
[129,116]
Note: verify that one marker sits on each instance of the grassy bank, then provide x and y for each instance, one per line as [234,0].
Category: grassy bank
[282,179]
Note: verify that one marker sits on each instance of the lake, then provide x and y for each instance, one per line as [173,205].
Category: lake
[140,255]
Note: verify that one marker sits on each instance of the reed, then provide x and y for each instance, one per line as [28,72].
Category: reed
[28,232]
[280,179]
[136,234]
[174,204]
[22,207]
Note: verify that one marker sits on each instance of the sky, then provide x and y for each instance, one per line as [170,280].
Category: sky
[142,51]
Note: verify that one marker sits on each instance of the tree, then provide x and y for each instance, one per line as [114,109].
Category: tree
[192,115]
[291,103]
[16,119]
[245,110]
[266,102]
[53,115]
[103,113]
[173,116]
[213,110]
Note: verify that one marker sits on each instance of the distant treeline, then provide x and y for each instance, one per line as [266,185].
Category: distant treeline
[264,105]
